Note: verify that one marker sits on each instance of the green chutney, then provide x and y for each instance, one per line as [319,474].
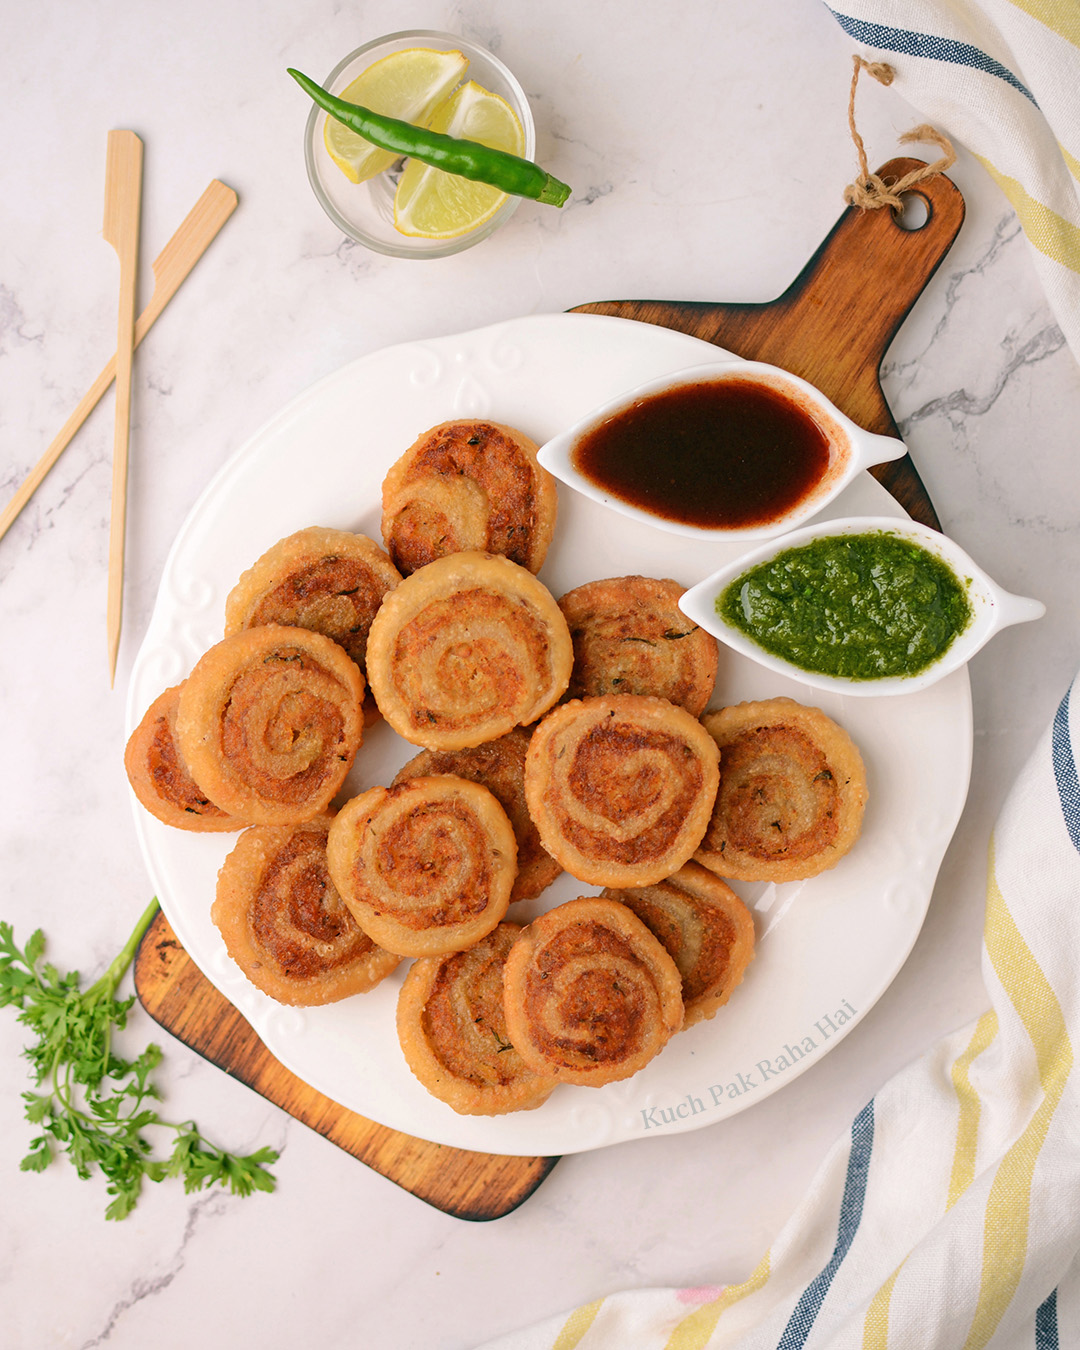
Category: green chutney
[862,606]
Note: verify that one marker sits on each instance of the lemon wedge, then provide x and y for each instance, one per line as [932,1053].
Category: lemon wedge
[409,84]
[431,204]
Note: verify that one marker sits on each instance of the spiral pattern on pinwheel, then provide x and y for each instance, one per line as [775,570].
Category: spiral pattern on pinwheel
[269,723]
[590,994]
[704,927]
[425,867]
[469,485]
[452,1029]
[466,649]
[500,767]
[329,581]
[621,788]
[284,922]
[792,792]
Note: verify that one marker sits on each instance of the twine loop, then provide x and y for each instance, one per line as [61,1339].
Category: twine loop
[870,191]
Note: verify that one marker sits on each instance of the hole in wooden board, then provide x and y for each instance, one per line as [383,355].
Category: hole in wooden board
[914,213]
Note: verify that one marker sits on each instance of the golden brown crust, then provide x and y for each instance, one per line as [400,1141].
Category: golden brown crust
[469,484]
[500,767]
[590,995]
[631,637]
[427,866]
[329,581]
[284,923]
[160,778]
[792,792]
[269,723]
[621,788]
[452,1028]
[704,927]
[466,649]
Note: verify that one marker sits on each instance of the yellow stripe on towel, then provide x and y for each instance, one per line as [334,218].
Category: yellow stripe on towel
[1007,1209]
[1072,163]
[876,1325]
[1050,233]
[875,1334]
[1060,16]
[693,1332]
[967,1126]
[576,1325]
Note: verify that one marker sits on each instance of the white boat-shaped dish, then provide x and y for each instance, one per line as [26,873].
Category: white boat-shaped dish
[992,607]
[850,448]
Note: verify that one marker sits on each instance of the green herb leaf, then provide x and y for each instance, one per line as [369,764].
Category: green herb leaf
[39,1156]
[96,1105]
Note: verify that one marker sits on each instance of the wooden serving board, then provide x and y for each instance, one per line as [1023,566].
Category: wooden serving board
[832,326]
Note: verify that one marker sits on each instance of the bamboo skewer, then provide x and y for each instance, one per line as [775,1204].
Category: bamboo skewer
[191,240]
[123,199]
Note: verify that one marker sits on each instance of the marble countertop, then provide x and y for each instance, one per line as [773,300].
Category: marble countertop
[708,149]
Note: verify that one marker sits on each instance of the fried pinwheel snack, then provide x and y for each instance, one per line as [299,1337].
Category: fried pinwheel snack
[590,995]
[704,927]
[621,788]
[469,485]
[792,792]
[425,867]
[284,923]
[500,767]
[466,649]
[160,778]
[330,581]
[452,1029]
[269,723]
[631,637]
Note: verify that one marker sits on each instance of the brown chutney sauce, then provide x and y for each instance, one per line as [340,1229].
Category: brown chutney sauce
[720,454]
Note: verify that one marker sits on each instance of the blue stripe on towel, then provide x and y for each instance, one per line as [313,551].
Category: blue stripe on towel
[1068,784]
[929,45]
[1046,1324]
[801,1322]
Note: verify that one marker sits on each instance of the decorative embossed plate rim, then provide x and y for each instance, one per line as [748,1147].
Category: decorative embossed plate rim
[827,948]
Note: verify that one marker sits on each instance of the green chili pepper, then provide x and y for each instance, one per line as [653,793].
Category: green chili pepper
[467,159]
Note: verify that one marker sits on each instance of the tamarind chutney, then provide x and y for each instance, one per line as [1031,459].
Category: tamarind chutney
[720,454]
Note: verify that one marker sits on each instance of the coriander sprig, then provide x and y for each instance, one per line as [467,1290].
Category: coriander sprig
[94,1105]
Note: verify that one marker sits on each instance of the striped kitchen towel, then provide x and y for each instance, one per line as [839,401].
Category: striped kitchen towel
[1001,78]
[949,1216]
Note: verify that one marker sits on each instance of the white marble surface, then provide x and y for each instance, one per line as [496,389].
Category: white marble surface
[708,149]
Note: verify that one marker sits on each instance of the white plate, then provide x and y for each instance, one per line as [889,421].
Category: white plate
[827,948]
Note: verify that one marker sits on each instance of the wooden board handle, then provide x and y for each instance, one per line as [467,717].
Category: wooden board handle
[835,321]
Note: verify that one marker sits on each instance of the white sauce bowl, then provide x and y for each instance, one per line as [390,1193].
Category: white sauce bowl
[851,449]
[992,608]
